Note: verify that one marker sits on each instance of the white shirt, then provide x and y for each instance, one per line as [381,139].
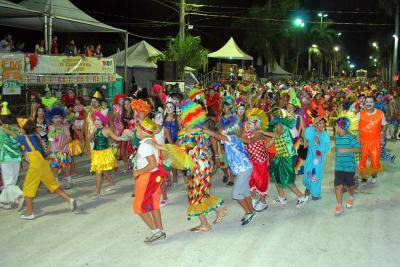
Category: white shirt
[160,137]
[145,149]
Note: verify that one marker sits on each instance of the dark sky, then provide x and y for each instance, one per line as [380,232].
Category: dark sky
[134,15]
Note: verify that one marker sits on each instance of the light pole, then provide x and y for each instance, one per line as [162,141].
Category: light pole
[322,16]
[312,49]
[336,48]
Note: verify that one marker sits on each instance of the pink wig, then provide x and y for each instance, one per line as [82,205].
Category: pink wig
[98,114]
[158,87]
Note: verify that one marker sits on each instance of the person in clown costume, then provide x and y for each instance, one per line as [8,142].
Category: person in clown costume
[102,158]
[282,167]
[59,138]
[372,127]
[10,161]
[195,142]
[319,143]
[259,180]
[148,174]
[117,113]
[89,126]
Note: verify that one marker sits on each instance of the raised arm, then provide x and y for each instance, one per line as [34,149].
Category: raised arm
[216,135]
[11,133]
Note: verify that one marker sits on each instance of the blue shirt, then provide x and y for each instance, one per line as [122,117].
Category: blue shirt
[236,154]
[346,162]
[34,141]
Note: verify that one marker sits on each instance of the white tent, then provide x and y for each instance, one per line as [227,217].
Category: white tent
[138,56]
[230,51]
[139,70]
[65,16]
[277,70]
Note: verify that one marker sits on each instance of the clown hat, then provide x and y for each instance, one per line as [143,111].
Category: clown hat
[5,110]
[146,127]
[257,114]
[97,95]
[21,122]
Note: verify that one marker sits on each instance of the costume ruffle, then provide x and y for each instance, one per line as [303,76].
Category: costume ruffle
[102,160]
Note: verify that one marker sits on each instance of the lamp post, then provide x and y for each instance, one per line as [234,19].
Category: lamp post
[322,16]
[336,48]
[312,49]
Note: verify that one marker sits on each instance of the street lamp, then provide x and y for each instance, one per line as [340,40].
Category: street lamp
[314,46]
[348,57]
[339,34]
[370,57]
[298,22]
[352,66]
[375,45]
[336,48]
[313,49]
[322,16]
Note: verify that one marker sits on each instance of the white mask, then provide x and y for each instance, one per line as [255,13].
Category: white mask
[159,119]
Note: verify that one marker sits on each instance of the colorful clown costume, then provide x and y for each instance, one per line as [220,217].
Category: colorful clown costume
[102,156]
[370,127]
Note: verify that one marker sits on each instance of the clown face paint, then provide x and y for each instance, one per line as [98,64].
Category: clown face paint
[57,120]
[170,108]
[369,104]
[240,110]
[40,112]
[98,123]
[159,119]
[121,101]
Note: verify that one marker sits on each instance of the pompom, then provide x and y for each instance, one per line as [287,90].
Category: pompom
[140,106]
[192,114]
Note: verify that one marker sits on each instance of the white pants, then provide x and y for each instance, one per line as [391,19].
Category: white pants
[10,173]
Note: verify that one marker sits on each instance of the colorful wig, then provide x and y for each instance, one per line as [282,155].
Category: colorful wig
[55,111]
[192,114]
[118,97]
[101,116]
[141,106]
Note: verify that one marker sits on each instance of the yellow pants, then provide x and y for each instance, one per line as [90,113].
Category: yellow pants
[38,171]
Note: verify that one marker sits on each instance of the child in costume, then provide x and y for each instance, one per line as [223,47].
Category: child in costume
[259,180]
[282,167]
[148,175]
[102,157]
[201,201]
[346,145]
[38,116]
[128,123]
[319,143]
[10,161]
[38,171]
[171,128]
[89,126]
[227,111]
[117,113]
[75,145]
[59,137]
[239,164]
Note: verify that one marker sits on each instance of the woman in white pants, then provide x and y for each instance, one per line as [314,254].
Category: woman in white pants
[10,162]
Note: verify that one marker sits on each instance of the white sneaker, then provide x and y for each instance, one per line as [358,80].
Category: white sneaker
[5,206]
[27,217]
[254,202]
[260,206]
[280,201]
[374,180]
[73,205]
[302,201]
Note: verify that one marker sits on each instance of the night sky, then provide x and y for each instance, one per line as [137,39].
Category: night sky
[133,15]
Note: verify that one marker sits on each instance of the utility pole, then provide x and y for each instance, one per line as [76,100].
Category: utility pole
[182,23]
[396,44]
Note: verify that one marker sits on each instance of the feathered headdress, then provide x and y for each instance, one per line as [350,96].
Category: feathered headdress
[257,114]
[140,106]
[348,121]
[192,114]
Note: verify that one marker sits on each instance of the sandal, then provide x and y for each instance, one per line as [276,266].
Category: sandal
[218,220]
[200,228]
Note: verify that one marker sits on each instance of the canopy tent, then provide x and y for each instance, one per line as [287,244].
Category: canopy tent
[65,16]
[137,56]
[9,10]
[230,51]
[277,70]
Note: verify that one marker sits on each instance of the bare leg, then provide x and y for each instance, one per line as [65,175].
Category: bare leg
[280,190]
[62,194]
[245,205]
[203,221]
[295,190]
[148,220]
[29,205]
[99,179]
[109,178]
[164,191]
[263,198]
[351,190]
[339,193]
[174,176]
[156,214]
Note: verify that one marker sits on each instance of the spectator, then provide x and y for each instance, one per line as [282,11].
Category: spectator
[69,49]
[54,46]
[6,44]
[89,51]
[97,51]
[20,48]
[39,48]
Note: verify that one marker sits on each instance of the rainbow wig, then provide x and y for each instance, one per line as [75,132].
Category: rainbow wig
[192,114]
[98,114]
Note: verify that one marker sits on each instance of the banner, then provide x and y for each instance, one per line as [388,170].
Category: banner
[43,64]
[11,73]
[69,79]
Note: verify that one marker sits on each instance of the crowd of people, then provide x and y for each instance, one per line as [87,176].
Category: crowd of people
[257,134]
[7,45]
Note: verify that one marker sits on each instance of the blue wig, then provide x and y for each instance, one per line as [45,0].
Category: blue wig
[55,111]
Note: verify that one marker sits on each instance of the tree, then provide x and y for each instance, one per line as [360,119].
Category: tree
[187,52]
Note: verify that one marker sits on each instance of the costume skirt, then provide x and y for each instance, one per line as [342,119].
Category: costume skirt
[60,159]
[282,171]
[102,160]
[259,179]
[75,147]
